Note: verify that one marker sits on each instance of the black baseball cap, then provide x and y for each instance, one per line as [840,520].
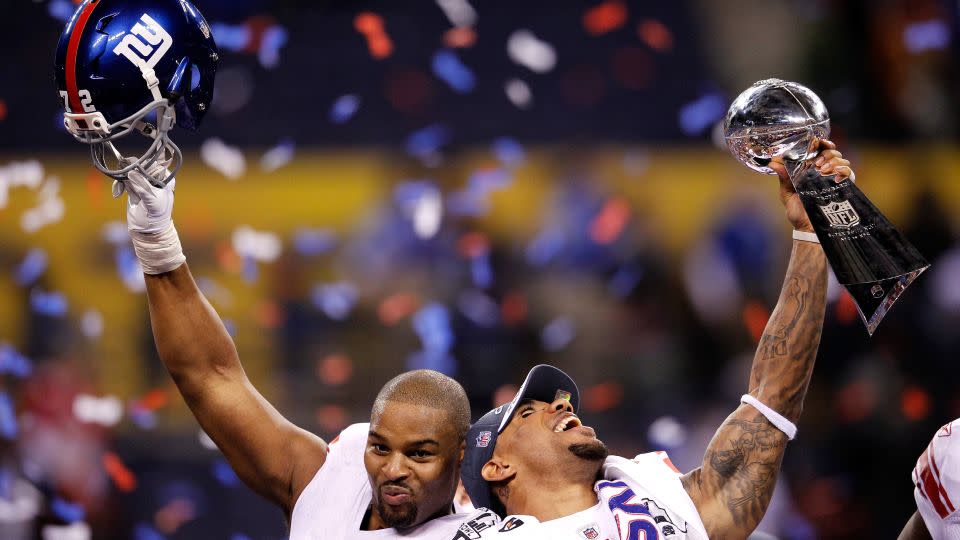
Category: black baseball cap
[543,383]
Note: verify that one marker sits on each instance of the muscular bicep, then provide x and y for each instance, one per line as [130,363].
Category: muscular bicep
[270,454]
[735,483]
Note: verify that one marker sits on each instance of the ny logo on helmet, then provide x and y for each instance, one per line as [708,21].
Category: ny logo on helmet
[146,43]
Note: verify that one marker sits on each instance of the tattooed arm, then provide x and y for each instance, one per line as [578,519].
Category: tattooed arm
[733,486]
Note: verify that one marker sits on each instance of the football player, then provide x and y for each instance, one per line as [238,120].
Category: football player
[535,462]
[128,67]
[937,489]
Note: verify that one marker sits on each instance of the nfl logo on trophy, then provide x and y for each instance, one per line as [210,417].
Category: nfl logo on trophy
[841,214]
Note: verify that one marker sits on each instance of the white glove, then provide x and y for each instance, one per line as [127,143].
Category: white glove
[150,220]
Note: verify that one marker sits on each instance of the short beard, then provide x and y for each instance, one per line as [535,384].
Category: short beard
[591,451]
[398,520]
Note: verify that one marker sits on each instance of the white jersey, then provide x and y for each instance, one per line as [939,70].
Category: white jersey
[639,499]
[936,480]
[333,504]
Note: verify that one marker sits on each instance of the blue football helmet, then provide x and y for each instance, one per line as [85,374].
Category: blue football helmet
[127,66]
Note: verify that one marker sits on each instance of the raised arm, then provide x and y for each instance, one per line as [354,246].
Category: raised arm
[735,483]
[270,454]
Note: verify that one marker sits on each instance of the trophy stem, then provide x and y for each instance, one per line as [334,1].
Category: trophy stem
[869,256]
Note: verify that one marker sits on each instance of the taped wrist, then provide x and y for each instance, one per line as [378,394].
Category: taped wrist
[158,252]
[773,416]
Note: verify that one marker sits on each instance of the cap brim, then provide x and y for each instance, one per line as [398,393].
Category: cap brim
[542,384]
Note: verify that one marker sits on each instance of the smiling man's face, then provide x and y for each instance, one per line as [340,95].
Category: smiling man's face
[544,438]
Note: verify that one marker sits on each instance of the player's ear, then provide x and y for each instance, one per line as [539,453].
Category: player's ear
[496,470]
[463,447]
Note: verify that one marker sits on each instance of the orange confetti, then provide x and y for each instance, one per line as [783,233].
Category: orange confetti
[915,403]
[655,34]
[514,308]
[154,399]
[473,244]
[334,369]
[605,17]
[846,309]
[96,187]
[228,258]
[270,315]
[755,317]
[371,26]
[397,307]
[460,37]
[122,477]
[331,418]
[611,220]
[173,515]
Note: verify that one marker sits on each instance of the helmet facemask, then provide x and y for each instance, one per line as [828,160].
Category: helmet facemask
[92,128]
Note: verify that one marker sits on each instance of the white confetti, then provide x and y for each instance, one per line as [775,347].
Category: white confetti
[106,411]
[525,49]
[460,12]
[278,156]
[518,93]
[225,159]
[258,245]
[91,324]
[49,210]
[428,214]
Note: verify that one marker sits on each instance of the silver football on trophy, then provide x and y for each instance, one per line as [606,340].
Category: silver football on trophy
[775,118]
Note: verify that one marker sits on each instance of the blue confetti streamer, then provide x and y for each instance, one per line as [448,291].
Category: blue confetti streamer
[313,242]
[143,531]
[447,67]
[14,363]
[225,474]
[481,271]
[336,300]
[8,418]
[52,304]
[424,142]
[60,10]
[32,267]
[250,269]
[230,37]
[508,151]
[557,334]
[697,116]
[432,324]
[67,511]
[344,108]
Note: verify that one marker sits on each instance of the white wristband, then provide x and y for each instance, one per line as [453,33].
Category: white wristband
[773,416]
[804,236]
[158,252]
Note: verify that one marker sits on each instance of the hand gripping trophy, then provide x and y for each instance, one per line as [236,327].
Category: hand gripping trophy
[873,260]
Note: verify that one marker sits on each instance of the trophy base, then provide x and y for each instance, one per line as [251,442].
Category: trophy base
[874,299]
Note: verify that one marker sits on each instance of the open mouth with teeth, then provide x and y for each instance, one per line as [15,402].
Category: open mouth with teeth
[567,423]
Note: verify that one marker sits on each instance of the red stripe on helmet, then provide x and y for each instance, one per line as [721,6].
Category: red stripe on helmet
[71,70]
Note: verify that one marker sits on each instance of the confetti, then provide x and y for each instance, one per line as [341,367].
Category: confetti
[930,35]
[395,308]
[49,210]
[278,156]
[67,511]
[427,141]
[8,418]
[557,334]
[421,202]
[371,26]
[225,474]
[257,245]
[610,221]
[106,411]
[605,17]
[432,325]
[313,242]
[479,308]
[334,369]
[447,67]
[343,108]
[525,49]
[518,93]
[335,300]
[666,432]
[14,363]
[508,151]
[655,34]
[459,12]
[142,531]
[273,39]
[50,304]
[698,115]
[226,160]
[460,38]
[91,324]
[73,531]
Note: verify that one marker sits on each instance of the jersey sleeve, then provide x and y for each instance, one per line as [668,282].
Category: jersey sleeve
[936,481]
